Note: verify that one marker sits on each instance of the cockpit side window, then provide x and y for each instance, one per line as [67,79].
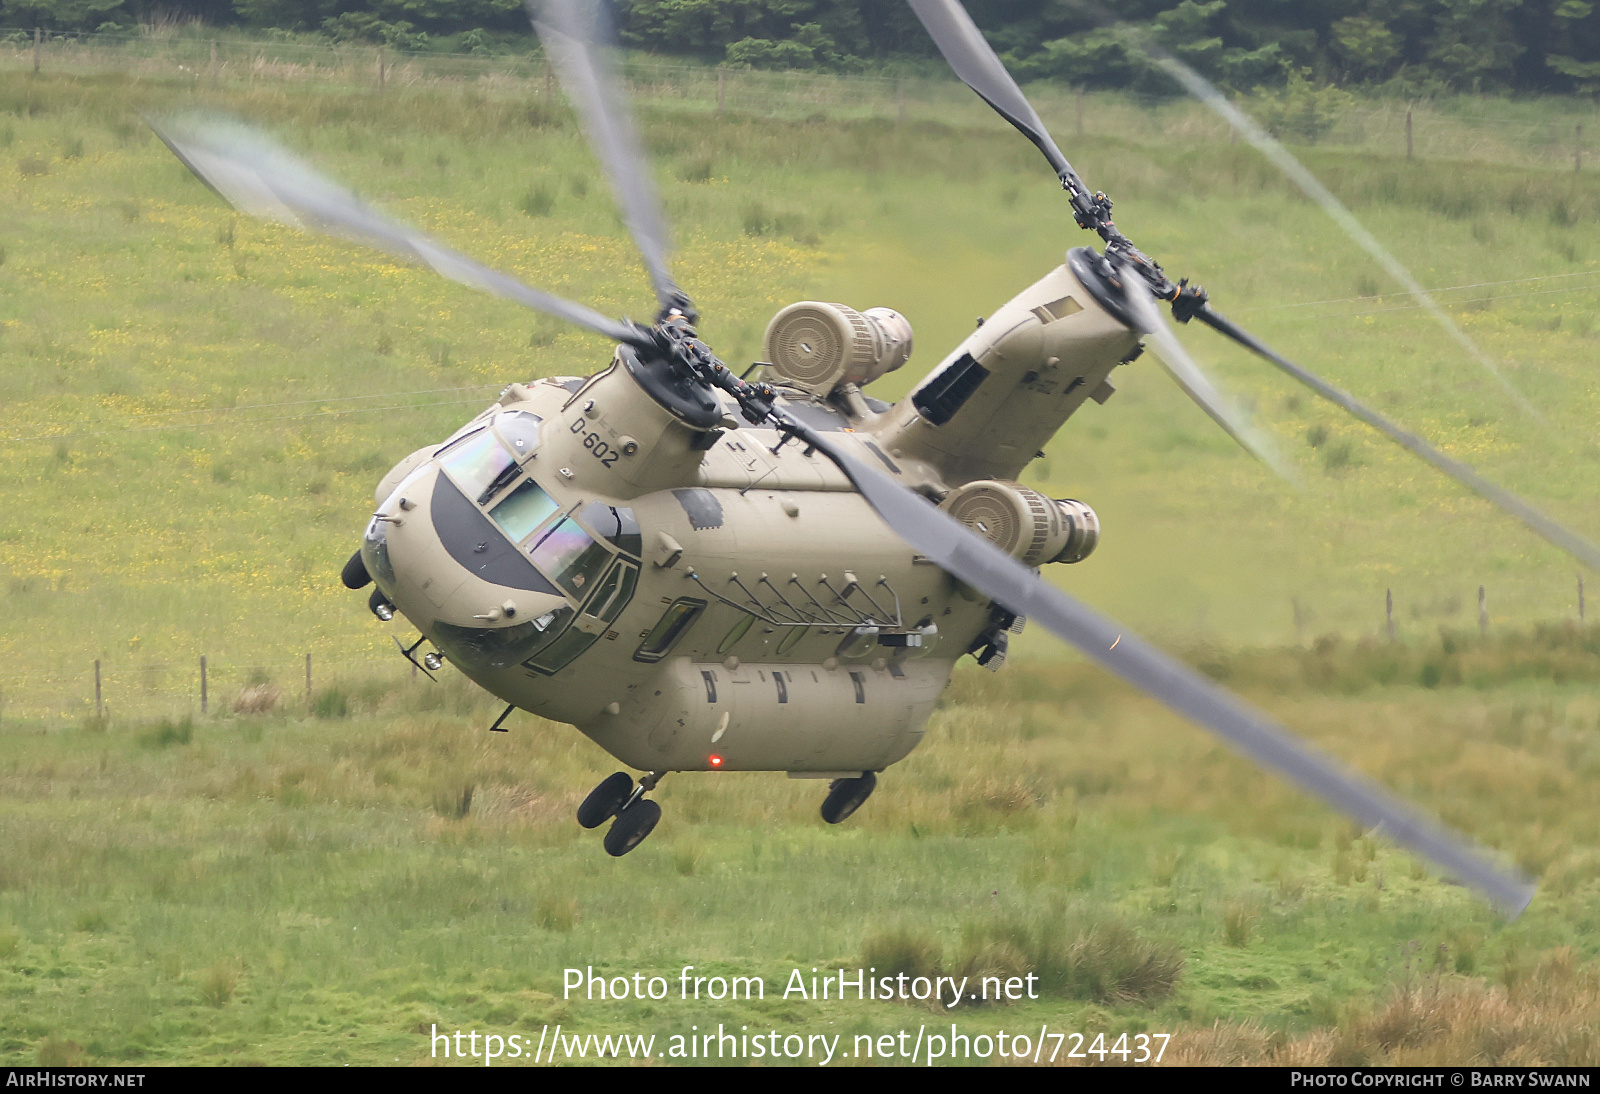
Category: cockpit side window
[614,523]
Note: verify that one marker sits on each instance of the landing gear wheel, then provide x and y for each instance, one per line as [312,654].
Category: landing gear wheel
[845,796]
[604,800]
[354,575]
[630,828]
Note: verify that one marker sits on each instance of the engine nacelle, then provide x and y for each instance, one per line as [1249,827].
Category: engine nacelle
[817,347]
[1024,523]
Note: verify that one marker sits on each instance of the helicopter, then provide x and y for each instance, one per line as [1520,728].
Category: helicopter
[708,571]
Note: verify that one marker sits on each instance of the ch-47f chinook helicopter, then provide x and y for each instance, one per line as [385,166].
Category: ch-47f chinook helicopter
[704,572]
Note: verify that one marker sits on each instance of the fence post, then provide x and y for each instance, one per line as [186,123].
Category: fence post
[36,36]
[1388,610]
[308,682]
[383,78]
[204,695]
[721,80]
[1408,132]
[1483,611]
[99,707]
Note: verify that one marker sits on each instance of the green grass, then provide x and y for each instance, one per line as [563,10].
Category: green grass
[280,889]
[318,881]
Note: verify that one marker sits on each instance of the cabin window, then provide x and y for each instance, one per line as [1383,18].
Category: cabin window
[523,510]
[859,681]
[740,629]
[858,643]
[783,688]
[570,557]
[677,619]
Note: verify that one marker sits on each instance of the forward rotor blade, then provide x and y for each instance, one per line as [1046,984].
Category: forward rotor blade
[257,177]
[1570,542]
[975,62]
[1192,379]
[972,559]
[570,32]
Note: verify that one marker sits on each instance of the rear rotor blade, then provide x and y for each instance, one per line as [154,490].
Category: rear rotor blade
[257,177]
[974,560]
[1570,542]
[571,35]
[976,63]
[1192,379]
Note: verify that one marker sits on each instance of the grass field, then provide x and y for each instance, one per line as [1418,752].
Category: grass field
[194,409]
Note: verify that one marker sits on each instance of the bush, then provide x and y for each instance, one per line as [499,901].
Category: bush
[167,732]
[331,703]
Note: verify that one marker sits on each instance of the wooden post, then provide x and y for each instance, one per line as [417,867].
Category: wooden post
[721,90]
[383,76]
[900,100]
[37,35]
[99,707]
[1388,610]
[308,681]
[204,694]
[1483,611]
[1408,132]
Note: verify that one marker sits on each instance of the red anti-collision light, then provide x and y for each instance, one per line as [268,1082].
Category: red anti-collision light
[716,761]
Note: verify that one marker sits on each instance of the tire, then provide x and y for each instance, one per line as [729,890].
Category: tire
[630,828]
[846,796]
[604,800]
[354,575]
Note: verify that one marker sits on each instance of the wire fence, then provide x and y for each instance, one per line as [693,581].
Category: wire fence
[205,685]
[1552,133]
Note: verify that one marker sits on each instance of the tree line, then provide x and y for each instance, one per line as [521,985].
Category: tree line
[1415,47]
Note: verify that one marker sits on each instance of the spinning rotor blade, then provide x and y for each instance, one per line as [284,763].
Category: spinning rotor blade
[972,559]
[978,66]
[975,62]
[1570,542]
[570,32]
[257,177]
[1192,379]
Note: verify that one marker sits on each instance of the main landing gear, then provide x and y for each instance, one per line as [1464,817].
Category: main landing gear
[636,816]
[845,796]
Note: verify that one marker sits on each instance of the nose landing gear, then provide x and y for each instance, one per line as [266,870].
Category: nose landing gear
[845,796]
[636,816]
